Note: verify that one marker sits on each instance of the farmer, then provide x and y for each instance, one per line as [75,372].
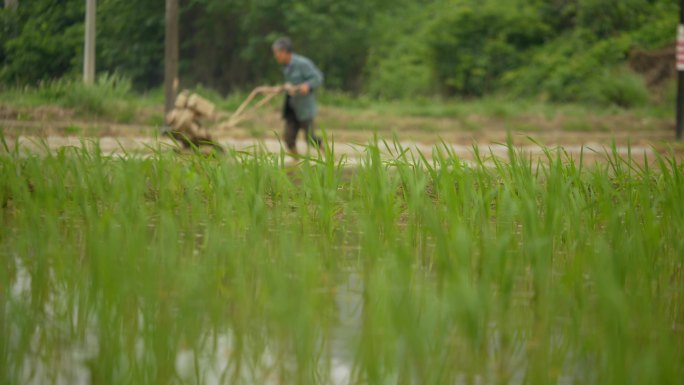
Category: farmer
[302,78]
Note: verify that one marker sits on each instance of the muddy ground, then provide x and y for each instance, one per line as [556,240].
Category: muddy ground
[36,129]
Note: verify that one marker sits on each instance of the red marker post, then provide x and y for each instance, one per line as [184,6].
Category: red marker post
[680,47]
[680,73]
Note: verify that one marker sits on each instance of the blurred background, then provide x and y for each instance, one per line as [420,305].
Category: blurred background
[562,71]
[596,51]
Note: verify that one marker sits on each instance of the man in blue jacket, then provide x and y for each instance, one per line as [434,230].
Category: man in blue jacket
[299,110]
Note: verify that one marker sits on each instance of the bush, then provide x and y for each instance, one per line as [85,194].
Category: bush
[41,40]
[619,87]
[403,72]
[564,69]
[399,63]
[605,18]
[474,44]
[529,48]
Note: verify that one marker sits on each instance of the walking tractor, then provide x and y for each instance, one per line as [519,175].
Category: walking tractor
[195,121]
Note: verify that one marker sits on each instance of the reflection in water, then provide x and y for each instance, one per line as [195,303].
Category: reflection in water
[210,365]
[214,362]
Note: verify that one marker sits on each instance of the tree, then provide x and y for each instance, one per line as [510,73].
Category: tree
[42,40]
[171,54]
[131,40]
[397,48]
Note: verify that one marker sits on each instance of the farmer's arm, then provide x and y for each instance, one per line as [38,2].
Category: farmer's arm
[313,78]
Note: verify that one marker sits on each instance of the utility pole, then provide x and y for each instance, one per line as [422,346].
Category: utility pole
[171,54]
[680,72]
[89,48]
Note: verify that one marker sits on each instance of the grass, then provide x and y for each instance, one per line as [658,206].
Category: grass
[581,125]
[494,106]
[111,99]
[73,129]
[418,270]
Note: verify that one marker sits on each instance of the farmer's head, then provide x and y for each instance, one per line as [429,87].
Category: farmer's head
[282,50]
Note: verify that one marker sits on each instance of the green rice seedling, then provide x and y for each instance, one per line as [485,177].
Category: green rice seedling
[406,268]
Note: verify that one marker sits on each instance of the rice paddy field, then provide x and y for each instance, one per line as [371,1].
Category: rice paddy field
[242,268]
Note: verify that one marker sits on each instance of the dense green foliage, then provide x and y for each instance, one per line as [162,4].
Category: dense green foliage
[41,40]
[566,50]
[241,270]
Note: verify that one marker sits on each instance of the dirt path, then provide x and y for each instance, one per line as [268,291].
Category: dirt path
[416,132]
[419,134]
[353,153]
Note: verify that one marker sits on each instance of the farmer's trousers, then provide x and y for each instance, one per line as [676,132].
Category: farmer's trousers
[292,127]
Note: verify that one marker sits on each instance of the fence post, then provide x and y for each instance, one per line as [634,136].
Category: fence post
[680,72]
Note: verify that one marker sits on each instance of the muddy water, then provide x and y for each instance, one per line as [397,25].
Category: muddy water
[70,364]
[214,362]
[353,153]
